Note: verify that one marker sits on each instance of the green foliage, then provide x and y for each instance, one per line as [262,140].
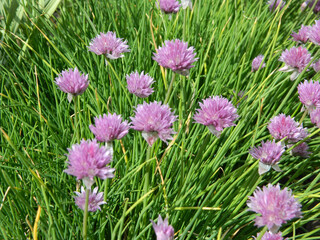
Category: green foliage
[201,182]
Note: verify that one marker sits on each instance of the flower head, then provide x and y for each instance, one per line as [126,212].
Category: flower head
[95,199]
[87,160]
[310,4]
[154,120]
[176,56]
[314,33]
[302,35]
[315,117]
[301,150]
[109,127]
[271,236]
[72,82]
[269,155]
[309,94]
[163,230]
[316,66]
[140,85]
[281,126]
[273,4]
[296,60]
[275,206]
[217,113]
[257,62]
[109,45]
[169,6]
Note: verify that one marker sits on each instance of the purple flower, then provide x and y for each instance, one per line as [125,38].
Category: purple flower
[155,121]
[281,126]
[275,206]
[302,35]
[273,4]
[176,56]
[140,85]
[87,160]
[296,60]
[72,82]
[309,94]
[316,66]
[310,3]
[95,200]
[301,150]
[315,117]
[109,127]
[314,33]
[217,113]
[109,45]
[169,6]
[163,230]
[271,236]
[257,62]
[269,155]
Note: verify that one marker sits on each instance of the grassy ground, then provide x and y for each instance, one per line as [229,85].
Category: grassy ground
[199,181]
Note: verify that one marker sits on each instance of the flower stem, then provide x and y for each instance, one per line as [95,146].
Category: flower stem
[146,181]
[262,233]
[170,88]
[76,129]
[303,116]
[85,216]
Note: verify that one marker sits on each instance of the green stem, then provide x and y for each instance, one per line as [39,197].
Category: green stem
[262,233]
[303,116]
[85,216]
[170,88]
[146,181]
[75,100]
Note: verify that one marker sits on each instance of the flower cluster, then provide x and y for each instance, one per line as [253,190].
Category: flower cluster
[269,155]
[271,236]
[302,36]
[109,45]
[296,60]
[257,62]
[309,94]
[95,199]
[163,230]
[72,82]
[314,33]
[88,160]
[310,4]
[176,56]
[169,6]
[275,206]
[154,120]
[140,85]
[217,113]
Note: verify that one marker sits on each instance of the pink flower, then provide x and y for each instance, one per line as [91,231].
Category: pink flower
[316,66]
[301,150]
[217,113]
[109,127]
[140,85]
[169,6]
[273,4]
[281,126]
[109,45]
[275,206]
[163,230]
[72,82]
[309,94]
[315,117]
[257,62]
[87,160]
[314,33]
[155,121]
[310,4]
[176,56]
[271,236]
[95,200]
[296,60]
[302,35]
[269,155]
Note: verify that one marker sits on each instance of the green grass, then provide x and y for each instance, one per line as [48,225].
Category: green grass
[204,182]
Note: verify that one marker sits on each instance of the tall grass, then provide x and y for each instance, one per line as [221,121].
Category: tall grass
[199,181]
